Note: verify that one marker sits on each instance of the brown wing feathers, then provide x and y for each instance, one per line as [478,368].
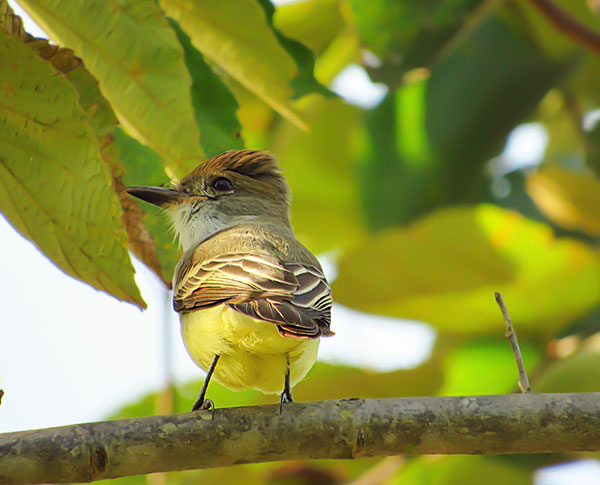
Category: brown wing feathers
[295,297]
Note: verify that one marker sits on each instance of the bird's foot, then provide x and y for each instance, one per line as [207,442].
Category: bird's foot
[206,404]
[286,396]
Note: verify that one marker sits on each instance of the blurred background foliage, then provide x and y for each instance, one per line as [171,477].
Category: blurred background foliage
[415,194]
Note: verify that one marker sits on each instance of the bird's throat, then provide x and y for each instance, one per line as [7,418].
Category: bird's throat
[192,227]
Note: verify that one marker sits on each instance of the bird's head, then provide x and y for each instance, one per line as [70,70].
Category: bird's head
[232,188]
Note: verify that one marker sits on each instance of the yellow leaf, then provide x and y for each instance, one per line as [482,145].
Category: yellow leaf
[315,23]
[234,35]
[579,372]
[319,165]
[571,199]
[444,270]
[54,187]
[136,57]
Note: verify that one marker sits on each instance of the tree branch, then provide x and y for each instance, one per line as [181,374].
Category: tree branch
[568,25]
[514,423]
[511,335]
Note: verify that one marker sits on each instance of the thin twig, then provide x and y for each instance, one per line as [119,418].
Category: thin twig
[514,343]
[568,25]
[475,18]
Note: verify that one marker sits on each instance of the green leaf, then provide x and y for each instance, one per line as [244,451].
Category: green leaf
[565,140]
[235,36]
[304,82]
[481,91]
[592,139]
[579,372]
[57,191]
[315,23]
[143,165]
[214,104]
[325,28]
[401,176]
[322,176]
[99,112]
[444,270]
[329,381]
[413,32]
[138,62]
[428,141]
[538,26]
[103,121]
[464,470]
[569,198]
[486,366]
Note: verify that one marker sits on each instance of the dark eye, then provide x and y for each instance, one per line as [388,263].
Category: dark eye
[222,184]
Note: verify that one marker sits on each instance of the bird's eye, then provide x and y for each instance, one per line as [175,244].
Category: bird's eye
[222,184]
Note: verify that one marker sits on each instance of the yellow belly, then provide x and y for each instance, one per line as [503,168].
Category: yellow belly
[253,353]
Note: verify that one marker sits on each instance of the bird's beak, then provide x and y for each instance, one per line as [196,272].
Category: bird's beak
[160,196]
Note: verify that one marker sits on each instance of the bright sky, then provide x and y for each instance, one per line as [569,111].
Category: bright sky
[71,354]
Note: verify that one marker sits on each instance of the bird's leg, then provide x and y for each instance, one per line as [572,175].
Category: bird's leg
[202,403]
[286,395]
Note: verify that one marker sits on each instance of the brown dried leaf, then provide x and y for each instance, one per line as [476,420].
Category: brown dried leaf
[141,243]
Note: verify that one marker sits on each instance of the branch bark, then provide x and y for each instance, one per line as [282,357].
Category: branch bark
[568,25]
[515,423]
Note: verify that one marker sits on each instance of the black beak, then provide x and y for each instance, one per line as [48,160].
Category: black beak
[157,195]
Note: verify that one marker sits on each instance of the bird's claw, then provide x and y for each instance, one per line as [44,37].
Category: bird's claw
[206,405]
[285,397]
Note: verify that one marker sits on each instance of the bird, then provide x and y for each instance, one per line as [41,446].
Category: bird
[253,302]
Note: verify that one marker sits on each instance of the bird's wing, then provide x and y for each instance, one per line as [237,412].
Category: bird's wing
[295,296]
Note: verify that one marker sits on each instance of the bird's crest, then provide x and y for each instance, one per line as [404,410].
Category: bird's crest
[257,164]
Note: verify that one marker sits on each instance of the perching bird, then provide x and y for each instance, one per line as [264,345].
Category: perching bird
[252,300]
